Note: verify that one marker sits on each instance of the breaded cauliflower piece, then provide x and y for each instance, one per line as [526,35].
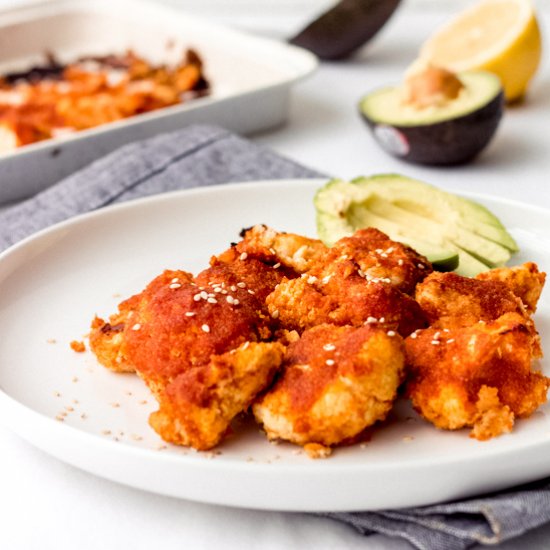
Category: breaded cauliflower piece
[179,322]
[107,338]
[198,406]
[525,281]
[450,300]
[335,382]
[346,299]
[478,376]
[285,250]
[377,259]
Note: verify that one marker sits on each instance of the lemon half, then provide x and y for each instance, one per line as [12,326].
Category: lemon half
[500,36]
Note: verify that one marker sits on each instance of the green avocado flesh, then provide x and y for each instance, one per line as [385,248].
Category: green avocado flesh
[454,233]
[386,105]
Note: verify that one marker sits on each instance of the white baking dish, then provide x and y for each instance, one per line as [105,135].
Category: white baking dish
[250,77]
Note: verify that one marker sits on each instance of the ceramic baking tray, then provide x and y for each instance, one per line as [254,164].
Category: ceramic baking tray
[250,77]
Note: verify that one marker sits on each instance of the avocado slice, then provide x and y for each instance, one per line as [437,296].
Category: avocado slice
[452,131]
[344,28]
[443,227]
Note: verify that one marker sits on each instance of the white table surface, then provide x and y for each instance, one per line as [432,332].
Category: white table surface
[46,504]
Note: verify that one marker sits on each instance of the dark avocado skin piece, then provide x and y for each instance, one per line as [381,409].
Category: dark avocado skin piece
[345,28]
[450,142]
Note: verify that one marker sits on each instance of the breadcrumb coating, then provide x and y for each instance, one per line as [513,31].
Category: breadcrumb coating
[478,376]
[336,381]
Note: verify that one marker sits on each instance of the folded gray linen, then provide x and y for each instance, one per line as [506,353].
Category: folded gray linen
[206,155]
[196,156]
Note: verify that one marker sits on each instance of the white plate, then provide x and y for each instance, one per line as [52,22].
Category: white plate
[52,284]
[250,77]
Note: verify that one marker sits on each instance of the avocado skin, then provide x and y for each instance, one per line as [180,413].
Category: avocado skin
[450,142]
[343,29]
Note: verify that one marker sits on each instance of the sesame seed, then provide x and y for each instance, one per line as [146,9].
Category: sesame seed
[383,255]
[251,291]
[390,250]
[371,320]
[241,285]
[190,314]
[326,279]
[329,362]
[413,335]
[175,285]
[205,328]
[382,319]
[450,340]
[236,302]
[421,266]
[245,345]
[329,347]
[275,314]
[212,301]
[344,257]
[437,335]
[272,250]
[435,342]
[391,333]
[243,256]
[277,265]
[175,280]
[204,295]
[137,326]
[379,251]
[311,279]
[217,289]
[400,261]
[230,299]
[233,288]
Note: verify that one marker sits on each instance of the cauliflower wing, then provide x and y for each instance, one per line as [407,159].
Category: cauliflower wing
[336,381]
[479,376]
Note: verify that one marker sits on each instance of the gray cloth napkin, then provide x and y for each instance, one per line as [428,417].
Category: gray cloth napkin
[207,155]
[488,520]
[195,156]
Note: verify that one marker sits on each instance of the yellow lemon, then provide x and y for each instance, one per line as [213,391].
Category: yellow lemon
[500,36]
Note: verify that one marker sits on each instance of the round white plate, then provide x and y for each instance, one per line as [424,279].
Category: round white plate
[53,283]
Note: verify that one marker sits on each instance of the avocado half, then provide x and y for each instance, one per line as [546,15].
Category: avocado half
[343,29]
[452,133]
[454,233]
